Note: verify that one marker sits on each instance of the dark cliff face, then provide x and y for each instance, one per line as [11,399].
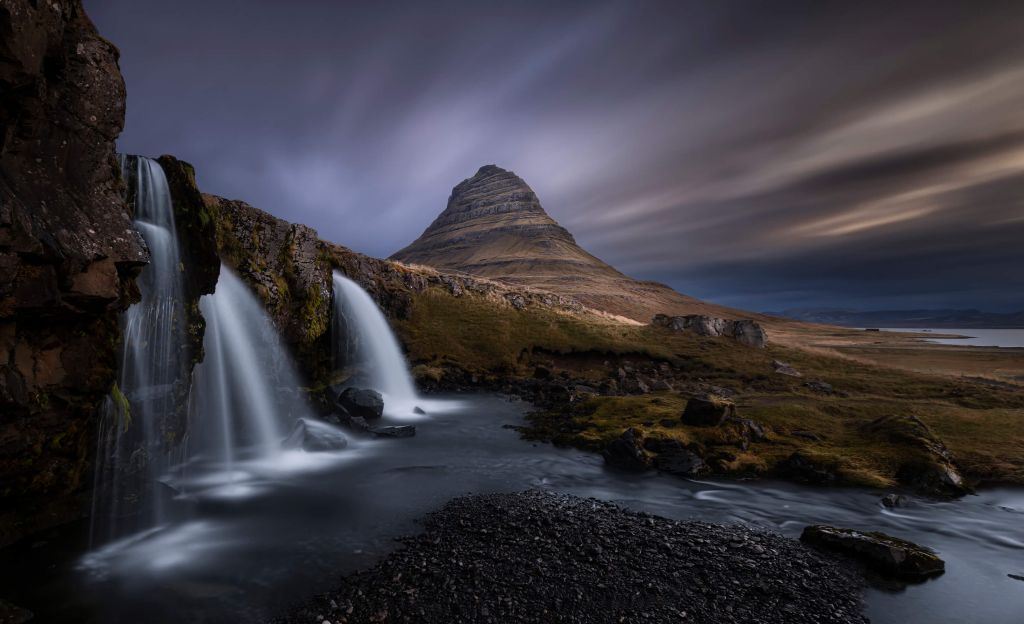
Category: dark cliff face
[68,254]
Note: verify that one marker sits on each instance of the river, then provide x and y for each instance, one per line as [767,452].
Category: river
[269,534]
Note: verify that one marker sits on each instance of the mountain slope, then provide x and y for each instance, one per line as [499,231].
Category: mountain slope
[494,226]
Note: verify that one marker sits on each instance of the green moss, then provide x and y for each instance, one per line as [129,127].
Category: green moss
[123,408]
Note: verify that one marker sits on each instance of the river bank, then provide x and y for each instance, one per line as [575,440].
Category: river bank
[257,546]
[540,557]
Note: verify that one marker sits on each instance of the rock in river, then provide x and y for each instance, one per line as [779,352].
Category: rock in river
[882,553]
[394,431]
[626,451]
[312,435]
[364,403]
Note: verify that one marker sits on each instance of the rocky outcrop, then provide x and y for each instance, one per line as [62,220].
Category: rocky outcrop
[283,264]
[927,465]
[744,331]
[882,553]
[68,254]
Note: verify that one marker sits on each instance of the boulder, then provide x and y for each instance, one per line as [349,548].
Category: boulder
[749,333]
[394,431]
[708,411]
[626,451]
[365,403]
[314,436]
[418,410]
[894,500]
[882,553]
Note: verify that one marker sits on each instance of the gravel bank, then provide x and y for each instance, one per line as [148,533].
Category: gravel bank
[540,557]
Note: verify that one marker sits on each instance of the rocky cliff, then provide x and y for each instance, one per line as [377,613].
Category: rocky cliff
[68,254]
[494,226]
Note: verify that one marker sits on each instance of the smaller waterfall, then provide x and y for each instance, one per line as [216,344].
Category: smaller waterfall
[245,394]
[141,426]
[377,349]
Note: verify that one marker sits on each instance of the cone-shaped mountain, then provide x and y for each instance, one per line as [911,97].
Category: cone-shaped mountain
[494,226]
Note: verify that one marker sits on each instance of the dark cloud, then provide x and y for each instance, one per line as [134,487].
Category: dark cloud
[763,154]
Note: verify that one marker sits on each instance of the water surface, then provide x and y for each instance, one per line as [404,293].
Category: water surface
[272,533]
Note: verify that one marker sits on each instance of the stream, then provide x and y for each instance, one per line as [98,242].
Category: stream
[245,540]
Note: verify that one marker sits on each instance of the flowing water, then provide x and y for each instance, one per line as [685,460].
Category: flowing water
[245,395]
[377,350]
[140,417]
[310,517]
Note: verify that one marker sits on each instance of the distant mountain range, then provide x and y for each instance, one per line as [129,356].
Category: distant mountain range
[905,318]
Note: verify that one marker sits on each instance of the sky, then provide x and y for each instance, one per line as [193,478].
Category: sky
[765,155]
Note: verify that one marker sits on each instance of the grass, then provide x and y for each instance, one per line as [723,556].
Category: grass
[982,425]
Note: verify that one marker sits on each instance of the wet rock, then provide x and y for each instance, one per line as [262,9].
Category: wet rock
[314,436]
[1016,577]
[365,403]
[882,553]
[418,410]
[894,500]
[708,411]
[394,431]
[626,451]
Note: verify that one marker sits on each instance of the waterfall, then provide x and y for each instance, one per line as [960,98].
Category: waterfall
[245,390]
[141,423]
[377,349]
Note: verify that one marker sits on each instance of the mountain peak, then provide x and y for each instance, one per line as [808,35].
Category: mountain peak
[494,225]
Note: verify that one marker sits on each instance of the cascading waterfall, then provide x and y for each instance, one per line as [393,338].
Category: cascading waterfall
[377,349]
[141,423]
[245,390]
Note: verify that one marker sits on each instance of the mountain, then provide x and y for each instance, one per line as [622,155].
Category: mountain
[494,226]
[951,319]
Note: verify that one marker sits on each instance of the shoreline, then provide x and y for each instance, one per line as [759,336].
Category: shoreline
[535,556]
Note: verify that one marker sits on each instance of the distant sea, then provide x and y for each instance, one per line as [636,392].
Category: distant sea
[977,337]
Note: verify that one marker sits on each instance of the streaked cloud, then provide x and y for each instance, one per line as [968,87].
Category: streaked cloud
[759,154]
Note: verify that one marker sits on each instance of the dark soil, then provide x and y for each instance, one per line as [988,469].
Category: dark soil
[540,557]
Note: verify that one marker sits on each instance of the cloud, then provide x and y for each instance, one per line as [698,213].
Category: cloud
[832,153]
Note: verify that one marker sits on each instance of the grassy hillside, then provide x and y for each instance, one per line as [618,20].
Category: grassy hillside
[875,421]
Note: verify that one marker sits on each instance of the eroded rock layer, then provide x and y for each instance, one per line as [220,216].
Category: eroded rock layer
[68,254]
[494,226]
